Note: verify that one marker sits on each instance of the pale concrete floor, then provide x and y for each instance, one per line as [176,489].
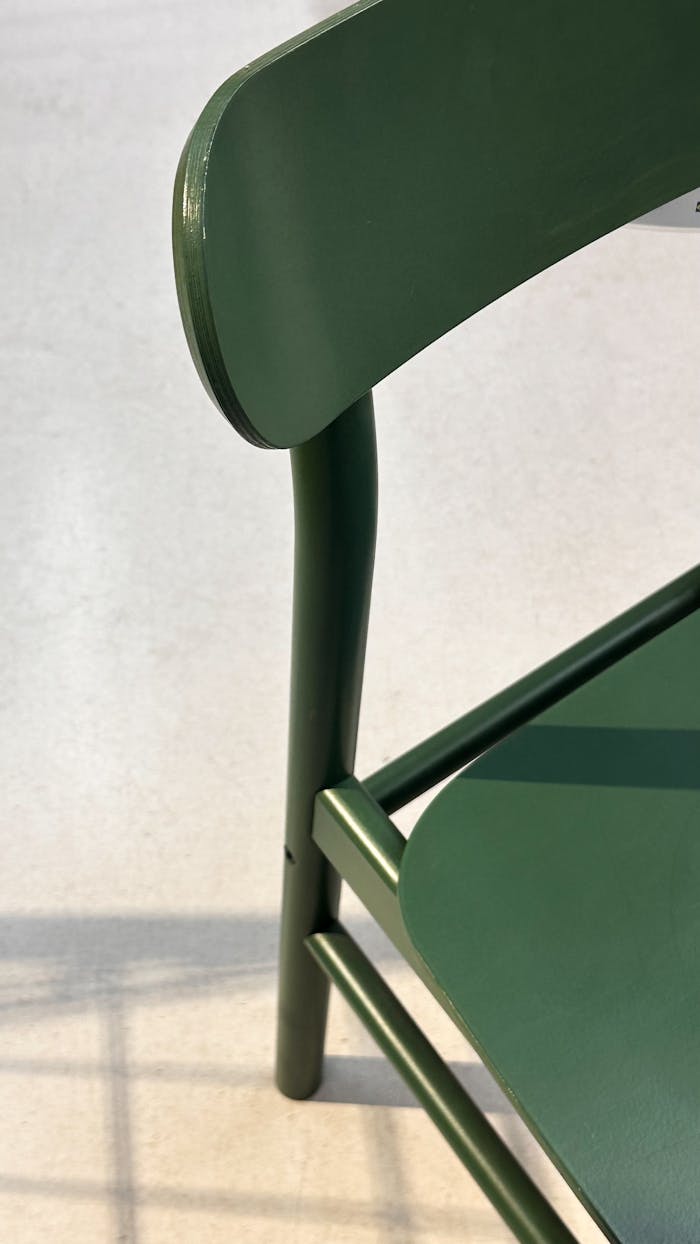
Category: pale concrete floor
[539,472]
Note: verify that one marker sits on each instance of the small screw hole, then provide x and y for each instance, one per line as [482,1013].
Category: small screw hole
[288,856]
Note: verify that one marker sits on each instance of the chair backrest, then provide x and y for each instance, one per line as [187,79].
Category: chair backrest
[350,197]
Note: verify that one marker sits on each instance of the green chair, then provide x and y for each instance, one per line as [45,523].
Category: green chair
[339,205]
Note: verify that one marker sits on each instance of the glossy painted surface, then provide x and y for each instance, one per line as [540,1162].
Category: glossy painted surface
[429,762]
[335,504]
[553,889]
[146,554]
[348,199]
[304,279]
[519,1202]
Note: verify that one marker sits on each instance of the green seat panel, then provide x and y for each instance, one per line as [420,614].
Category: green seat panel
[553,890]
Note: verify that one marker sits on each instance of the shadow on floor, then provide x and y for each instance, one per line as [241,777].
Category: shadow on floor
[54,966]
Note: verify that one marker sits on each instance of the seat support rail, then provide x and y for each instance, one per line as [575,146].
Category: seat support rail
[413,773]
[365,848]
[500,1176]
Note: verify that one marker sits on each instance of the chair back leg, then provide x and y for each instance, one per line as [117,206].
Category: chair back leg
[335,506]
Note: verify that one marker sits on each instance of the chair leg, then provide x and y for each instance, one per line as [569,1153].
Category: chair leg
[335,505]
[310,898]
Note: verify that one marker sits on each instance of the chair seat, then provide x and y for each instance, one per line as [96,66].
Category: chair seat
[553,890]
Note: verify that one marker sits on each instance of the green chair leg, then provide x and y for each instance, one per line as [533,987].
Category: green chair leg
[335,501]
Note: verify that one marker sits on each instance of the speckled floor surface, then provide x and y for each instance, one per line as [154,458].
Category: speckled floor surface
[145,558]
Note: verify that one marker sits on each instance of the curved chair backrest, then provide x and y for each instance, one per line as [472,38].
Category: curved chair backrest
[350,197]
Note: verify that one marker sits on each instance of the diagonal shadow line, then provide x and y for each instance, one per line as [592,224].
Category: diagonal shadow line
[392,1189]
[118,1110]
[71,996]
[140,958]
[244,942]
[593,756]
[206,940]
[99,963]
[168,1073]
[350,1080]
[327,1209]
[364,1080]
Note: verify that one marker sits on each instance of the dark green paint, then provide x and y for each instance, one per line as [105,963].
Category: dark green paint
[366,828]
[365,848]
[340,204]
[335,501]
[358,850]
[352,196]
[413,773]
[553,891]
[499,1175]
[595,756]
